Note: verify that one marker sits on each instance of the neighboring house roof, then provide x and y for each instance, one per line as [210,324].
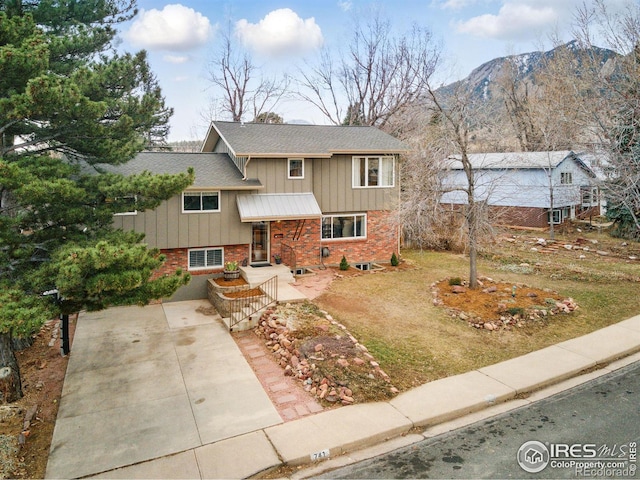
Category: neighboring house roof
[293,140]
[212,170]
[277,206]
[512,160]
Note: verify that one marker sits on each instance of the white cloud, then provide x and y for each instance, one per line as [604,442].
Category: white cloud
[177,59]
[515,21]
[453,4]
[345,5]
[174,28]
[281,32]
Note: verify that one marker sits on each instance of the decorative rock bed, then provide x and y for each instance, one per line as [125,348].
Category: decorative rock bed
[506,315]
[303,358]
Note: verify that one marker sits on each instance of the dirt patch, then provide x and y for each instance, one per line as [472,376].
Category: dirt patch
[500,304]
[252,292]
[42,370]
[235,282]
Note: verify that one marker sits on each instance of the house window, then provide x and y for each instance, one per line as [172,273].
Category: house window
[589,196]
[127,204]
[344,226]
[565,178]
[373,171]
[559,215]
[200,202]
[200,258]
[296,168]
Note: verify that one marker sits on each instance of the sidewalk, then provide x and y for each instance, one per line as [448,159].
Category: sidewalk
[343,431]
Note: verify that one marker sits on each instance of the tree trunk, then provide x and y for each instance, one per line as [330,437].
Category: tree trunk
[10,384]
[473,248]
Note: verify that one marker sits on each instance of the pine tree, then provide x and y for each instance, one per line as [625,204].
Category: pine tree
[67,105]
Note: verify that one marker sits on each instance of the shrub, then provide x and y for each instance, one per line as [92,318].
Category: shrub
[231,266]
[516,311]
[455,281]
[394,260]
[344,265]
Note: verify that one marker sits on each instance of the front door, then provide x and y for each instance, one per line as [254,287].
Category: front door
[260,242]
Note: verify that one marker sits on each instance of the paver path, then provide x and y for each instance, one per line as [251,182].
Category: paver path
[286,393]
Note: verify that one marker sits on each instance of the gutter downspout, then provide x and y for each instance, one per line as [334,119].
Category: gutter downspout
[244,172]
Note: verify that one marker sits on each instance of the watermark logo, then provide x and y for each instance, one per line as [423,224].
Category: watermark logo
[533,456]
[583,459]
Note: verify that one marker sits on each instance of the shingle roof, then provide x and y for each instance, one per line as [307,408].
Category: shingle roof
[287,140]
[212,170]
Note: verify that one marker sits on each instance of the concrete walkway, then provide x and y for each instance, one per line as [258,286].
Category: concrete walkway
[115,413]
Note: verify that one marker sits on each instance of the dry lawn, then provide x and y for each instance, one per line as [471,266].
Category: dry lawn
[392,312]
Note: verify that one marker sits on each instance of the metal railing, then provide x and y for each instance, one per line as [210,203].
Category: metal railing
[254,300]
[288,255]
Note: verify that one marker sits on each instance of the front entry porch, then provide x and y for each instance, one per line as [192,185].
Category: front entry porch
[286,292]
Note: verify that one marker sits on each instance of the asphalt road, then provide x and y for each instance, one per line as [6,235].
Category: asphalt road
[598,421]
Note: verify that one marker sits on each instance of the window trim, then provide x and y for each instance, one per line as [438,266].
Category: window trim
[566,178]
[205,250]
[192,192]
[131,212]
[289,176]
[353,215]
[355,176]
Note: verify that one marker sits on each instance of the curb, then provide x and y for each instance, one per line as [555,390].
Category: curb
[336,432]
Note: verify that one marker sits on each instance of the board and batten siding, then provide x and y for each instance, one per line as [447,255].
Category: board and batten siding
[167,227]
[334,190]
[273,173]
[329,179]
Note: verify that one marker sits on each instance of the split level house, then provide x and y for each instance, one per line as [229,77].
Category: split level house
[303,195]
[528,189]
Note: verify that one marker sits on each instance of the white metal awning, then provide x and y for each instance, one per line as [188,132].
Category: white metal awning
[277,206]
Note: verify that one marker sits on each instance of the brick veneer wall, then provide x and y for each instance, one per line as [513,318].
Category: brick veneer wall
[520,216]
[378,246]
[380,243]
[179,258]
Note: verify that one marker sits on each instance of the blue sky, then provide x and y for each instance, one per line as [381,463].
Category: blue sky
[183,38]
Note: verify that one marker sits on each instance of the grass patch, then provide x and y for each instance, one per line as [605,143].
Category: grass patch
[415,342]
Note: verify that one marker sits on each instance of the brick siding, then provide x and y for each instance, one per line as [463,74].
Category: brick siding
[380,243]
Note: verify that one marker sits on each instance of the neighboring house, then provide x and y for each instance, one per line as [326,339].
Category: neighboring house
[302,194]
[529,189]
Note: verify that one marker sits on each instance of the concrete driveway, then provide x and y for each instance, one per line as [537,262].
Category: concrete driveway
[147,382]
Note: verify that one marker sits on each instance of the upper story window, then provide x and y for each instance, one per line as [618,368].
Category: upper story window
[193,202]
[296,168]
[566,178]
[373,171]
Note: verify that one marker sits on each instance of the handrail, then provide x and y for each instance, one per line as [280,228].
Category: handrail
[243,307]
[288,255]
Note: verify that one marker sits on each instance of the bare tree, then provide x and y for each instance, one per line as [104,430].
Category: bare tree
[615,119]
[241,90]
[379,76]
[453,117]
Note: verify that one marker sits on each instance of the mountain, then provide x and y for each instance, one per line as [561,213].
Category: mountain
[484,80]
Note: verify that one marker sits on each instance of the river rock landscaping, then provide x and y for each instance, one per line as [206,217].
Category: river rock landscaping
[318,351]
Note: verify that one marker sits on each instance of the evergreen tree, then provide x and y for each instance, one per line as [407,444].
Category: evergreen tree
[68,104]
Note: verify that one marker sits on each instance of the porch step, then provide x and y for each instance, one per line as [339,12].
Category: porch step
[257,275]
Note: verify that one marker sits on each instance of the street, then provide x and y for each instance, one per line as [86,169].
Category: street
[589,431]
